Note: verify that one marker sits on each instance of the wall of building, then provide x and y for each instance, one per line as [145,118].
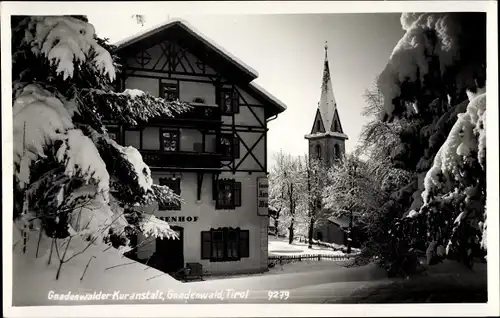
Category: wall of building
[251,113]
[330,232]
[327,145]
[207,217]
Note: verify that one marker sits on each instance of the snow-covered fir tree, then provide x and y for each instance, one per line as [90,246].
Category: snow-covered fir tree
[434,68]
[71,180]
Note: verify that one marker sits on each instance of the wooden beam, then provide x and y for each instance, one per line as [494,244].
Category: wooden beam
[249,151]
[199,184]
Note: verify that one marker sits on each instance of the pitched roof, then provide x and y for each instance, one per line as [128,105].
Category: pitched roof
[251,73]
[193,31]
[342,221]
[327,104]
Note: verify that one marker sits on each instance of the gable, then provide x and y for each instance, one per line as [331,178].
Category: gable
[177,47]
[336,125]
[318,125]
[167,56]
[184,35]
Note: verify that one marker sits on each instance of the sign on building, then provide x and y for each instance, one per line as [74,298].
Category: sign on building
[262,196]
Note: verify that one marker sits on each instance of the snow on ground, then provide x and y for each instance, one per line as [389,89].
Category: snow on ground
[288,268]
[34,279]
[281,247]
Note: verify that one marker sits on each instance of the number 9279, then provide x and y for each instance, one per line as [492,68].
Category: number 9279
[278,294]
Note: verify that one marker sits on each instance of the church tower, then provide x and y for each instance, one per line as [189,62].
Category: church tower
[327,139]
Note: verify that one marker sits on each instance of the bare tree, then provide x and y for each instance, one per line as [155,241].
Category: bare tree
[288,185]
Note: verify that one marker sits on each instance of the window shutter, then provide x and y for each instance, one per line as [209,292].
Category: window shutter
[237,193]
[215,187]
[244,243]
[206,243]
[235,100]
[236,147]
[178,186]
[220,97]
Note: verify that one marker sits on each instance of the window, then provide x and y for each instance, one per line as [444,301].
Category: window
[336,154]
[227,194]
[229,101]
[114,133]
[175,186]
[229,146]
[225,244]
[217,245]
[169,140]
[133,137]
[318,151]
[170,91]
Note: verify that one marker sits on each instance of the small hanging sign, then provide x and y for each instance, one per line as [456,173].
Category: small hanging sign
[262,196]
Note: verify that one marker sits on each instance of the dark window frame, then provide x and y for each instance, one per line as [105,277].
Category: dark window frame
[169,87]
[115,130]
[139,129]
[233,149]
[234,99]
[318,151]
[175,185]
[226,249]
[337,152]
[234,189]
[177,140]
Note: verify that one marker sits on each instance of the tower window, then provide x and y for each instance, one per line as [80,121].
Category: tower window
[318,125]
[318,151]
[336,154]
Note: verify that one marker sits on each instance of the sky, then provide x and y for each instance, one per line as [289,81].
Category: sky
[287,50]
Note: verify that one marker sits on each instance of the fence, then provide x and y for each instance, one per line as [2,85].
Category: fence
[273,260]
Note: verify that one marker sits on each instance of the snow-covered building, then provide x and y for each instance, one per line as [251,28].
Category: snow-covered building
[327,143]
[214,155]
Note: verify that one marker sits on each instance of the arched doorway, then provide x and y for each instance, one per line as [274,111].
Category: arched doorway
[169,254]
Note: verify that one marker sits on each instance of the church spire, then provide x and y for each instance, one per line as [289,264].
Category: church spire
[327,104]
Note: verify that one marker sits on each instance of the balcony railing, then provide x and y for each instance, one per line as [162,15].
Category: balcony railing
[197,112]
[181,159]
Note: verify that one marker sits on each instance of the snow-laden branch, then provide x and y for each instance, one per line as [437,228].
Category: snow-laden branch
[66,42]
[128,107]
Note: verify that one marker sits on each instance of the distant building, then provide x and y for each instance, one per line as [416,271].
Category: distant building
[327,139]
[214,156]
[327,143]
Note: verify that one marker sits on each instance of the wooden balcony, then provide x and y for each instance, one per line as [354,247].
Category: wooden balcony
[198,114]
[181,159]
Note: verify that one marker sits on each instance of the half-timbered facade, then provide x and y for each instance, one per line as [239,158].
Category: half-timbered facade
[214,155]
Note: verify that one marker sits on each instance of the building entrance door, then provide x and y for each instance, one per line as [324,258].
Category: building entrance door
[170,252]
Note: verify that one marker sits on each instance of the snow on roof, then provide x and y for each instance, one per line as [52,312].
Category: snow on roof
[328,133]
[148,32]
[268,95]
[341,221]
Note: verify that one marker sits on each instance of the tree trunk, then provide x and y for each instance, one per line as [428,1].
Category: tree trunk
[349,236]
[311,231]
[292,212]
[276,222]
